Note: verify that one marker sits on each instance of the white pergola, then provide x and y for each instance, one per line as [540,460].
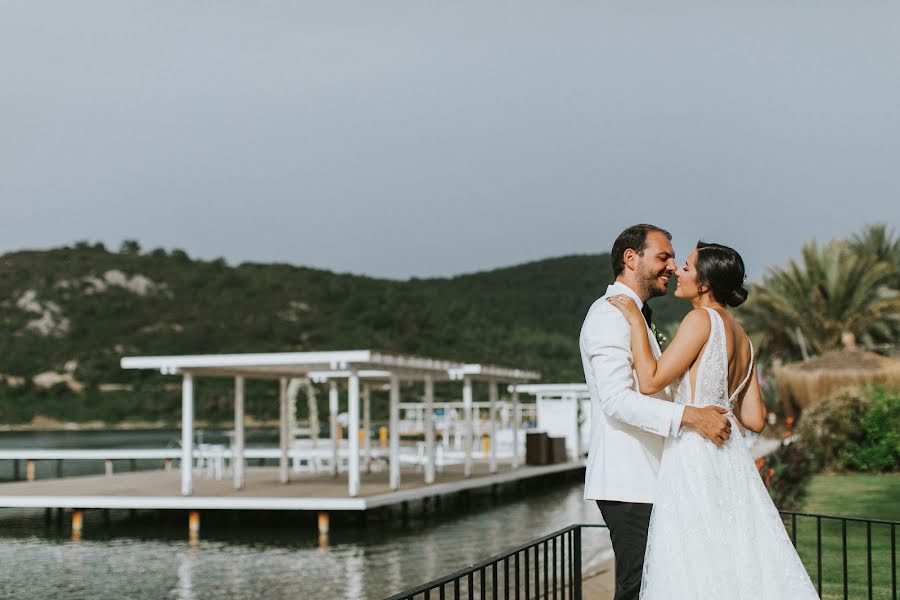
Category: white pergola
[563,401]
[357,368]
[493,376]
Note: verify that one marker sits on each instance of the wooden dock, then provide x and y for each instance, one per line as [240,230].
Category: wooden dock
[263,490]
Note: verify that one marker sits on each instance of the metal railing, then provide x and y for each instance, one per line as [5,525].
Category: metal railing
[852,580]
[550,567]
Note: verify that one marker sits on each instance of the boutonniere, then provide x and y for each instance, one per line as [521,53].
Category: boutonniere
[661,339]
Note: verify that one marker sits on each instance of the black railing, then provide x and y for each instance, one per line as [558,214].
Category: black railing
[550,567]
[831,548]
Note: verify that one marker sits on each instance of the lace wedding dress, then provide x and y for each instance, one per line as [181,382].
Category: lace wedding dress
[714,531]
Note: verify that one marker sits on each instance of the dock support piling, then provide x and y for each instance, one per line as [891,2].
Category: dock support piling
[77,522]
[59,468]
[324,528]
[29,470]
[194,525]
[108,467]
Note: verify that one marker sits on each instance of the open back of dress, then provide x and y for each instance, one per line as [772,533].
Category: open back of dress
[714,531]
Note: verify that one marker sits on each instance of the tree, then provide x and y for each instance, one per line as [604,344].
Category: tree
[130,247]
[882,245]
[835,290]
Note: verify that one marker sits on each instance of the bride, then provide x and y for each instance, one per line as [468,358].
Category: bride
[714,531]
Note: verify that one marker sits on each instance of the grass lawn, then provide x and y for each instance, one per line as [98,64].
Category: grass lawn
[850,495]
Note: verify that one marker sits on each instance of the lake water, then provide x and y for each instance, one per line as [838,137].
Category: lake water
[273,555]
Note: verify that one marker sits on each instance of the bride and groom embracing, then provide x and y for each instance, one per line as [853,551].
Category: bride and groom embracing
[687,512]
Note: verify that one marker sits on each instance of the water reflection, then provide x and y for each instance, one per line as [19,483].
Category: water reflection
[186,560]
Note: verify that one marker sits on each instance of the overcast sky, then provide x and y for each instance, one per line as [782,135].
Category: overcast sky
[422,138]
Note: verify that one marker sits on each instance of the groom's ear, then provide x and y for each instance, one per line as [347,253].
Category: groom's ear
[629,258]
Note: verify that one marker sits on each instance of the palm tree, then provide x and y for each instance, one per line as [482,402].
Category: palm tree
[832,292]
[880,243]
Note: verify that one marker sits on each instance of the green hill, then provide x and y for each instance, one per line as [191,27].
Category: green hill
[69,314]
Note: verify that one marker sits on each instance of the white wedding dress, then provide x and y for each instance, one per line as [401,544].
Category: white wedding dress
[714,531]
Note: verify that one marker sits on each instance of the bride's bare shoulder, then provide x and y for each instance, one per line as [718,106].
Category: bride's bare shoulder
[697,320]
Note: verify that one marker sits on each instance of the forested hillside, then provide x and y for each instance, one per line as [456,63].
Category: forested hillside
[68,315]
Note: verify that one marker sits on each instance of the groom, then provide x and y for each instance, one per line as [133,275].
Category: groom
[628,429]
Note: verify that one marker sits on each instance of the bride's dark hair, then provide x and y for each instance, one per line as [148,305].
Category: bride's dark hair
[722,269]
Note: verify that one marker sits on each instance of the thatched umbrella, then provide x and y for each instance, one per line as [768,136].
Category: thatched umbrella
[806,383]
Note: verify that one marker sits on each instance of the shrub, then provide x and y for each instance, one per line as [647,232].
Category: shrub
[829,429]
[786,473]
[855,429]
[879,448]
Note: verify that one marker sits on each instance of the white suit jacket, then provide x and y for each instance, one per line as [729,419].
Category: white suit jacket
[628,429]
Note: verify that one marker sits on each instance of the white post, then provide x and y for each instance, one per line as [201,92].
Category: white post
[492,389]
[393,434]
[429,429]
[187,434]
[467,415]
[332,424]
[515,426]
[353,433]
[237,446]
[367,426]
[575,403]
[283,471]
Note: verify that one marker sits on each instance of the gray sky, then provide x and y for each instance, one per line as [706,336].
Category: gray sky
[423,138]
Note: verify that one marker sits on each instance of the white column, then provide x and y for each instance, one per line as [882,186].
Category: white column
[467,415]
[237,446]
[367,426]
[332,424]
[429,429]
[492,390]
[515,426]
[187,435]
[577,430]
[393,434]
[353,433]
[283,470]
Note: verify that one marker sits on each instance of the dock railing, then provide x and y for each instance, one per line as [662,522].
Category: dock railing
[846,557]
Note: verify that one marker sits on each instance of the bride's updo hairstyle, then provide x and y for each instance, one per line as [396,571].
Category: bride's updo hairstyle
[722,269]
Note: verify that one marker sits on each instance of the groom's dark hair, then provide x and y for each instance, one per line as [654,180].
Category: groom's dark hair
[635,237]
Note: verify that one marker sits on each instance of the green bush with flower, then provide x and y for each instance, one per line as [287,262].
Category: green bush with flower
[856,429]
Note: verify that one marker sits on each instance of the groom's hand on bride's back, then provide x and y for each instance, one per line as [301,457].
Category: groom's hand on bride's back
[708,421]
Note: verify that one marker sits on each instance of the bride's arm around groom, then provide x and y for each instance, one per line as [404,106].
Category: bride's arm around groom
[606,346]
